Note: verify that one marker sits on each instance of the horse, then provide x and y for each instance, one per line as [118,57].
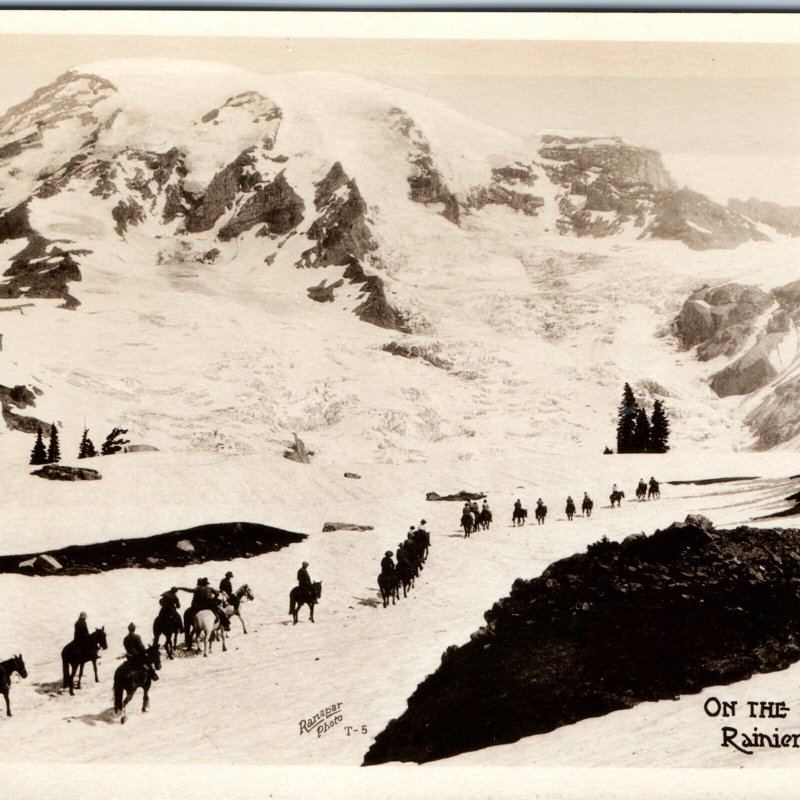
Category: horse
[423,540]
[169,626]
[654,491]
[466,523]
[300,596]
[616,498]
[130,675]
[74,655]
[641,491]
[570,510]
[389,585]
[485,519]
[587,506]
[541,513]
[234,609]
[405,576]
[207,625]
[519,516]
[7,669]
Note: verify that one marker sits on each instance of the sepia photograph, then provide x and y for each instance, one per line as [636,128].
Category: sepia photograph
[399,405]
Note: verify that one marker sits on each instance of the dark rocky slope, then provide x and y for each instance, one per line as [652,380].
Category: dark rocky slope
[646,619]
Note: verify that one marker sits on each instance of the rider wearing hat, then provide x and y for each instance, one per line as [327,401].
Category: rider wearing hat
[81,629]
[225,584]
[134,647]
[304,580]
[387,564]
[170,604]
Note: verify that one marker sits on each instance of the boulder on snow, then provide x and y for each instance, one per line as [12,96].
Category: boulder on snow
[699,521]
[329,527]
[141,448]
[57,472]
[352,475]
[43,564]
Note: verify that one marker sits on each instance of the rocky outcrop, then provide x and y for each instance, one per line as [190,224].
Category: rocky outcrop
[719,320]
[21,397]
[125,214]
[375,308]
[46,276]
[427,184]
[323,293]
[240,176]
[784,219]
[749,374]
[297,451]
[274,205]
[509,187]
[340,233]
[610,186]
[777,418]
[458,496]
[330,527]
[428,352]
[704,607]
[15,223]
[216,542]
[58,472]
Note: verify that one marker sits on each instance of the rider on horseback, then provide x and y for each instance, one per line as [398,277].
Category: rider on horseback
[136,651]
[204,597]
[170,604]
[226,589]
[81,631]
[387,564]
[304,581]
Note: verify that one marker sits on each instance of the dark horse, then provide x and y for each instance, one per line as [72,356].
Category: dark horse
[616,498]
[75,655]
[654,490]
[405,576]
[485,519]
[519,516]
[132,674]
[570,510]
[389,586]
[169,625]
[641,491]
[541,513]
[587,506]
[309,596]
[7,669]
[467,521]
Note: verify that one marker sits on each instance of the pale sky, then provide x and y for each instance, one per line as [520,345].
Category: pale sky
[725,117]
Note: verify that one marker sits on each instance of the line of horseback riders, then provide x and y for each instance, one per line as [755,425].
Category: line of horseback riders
[474,518]
[411,555]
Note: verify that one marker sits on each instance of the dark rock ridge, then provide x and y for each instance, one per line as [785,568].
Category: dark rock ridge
[343,238]
[275,205]
[704,608]
[785,219]
[58,472]
[429,353]
[426,182]
[254,105]
[215,542]
[610,184]
[508,187]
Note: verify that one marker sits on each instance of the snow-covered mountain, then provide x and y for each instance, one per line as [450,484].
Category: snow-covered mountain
[221,238]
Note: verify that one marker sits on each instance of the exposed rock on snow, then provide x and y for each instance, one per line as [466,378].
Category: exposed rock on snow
[462,495]
[57,472]
[217,542]
[429,353]
[297,452]
[329,527]
[704,609]
[784,219]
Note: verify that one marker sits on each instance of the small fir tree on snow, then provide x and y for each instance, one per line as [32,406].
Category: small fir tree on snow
[86,449]
[39,453]
[54,450]
[641,434]
[114,442]
[659,429]
[626,421]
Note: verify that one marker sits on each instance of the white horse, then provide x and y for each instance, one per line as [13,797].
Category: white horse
[235,609]
[207,625]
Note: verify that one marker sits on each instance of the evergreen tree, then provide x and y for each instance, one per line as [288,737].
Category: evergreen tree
[39,453]
[114,442]
[54,450]
[641,434]
[659,433]
[86,449]
[626,421]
